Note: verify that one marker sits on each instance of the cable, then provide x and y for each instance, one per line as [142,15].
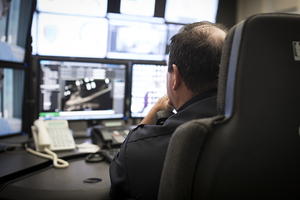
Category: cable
[57,162]
[9,147]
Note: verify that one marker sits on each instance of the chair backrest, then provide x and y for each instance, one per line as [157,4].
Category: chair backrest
[252,150]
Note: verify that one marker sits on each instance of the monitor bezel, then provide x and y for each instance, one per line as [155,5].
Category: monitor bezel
[25,67]
[28,48]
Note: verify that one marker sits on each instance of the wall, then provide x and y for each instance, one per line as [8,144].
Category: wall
[227,13]
[246,8]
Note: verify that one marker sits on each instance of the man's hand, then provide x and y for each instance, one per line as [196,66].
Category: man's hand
[162,104]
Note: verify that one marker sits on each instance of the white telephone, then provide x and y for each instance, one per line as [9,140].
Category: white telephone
[52,135]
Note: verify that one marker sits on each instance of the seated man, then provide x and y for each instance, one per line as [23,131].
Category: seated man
[192,79]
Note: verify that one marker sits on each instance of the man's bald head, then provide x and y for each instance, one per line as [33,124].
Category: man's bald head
[196,51]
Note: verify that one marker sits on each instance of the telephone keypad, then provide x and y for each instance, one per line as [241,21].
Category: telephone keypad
[60,138]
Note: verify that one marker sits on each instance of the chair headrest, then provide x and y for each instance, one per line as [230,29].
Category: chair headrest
[260,67]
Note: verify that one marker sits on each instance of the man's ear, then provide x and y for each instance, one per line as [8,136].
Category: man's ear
[177,77]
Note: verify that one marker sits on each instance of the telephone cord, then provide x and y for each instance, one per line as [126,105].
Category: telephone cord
[57,162]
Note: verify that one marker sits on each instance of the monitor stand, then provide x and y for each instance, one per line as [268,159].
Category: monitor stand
[79,128]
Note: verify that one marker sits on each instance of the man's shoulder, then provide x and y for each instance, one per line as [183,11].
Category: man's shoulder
[203,108]
[149,132]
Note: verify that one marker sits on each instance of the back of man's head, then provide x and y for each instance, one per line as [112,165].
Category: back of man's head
[196,50]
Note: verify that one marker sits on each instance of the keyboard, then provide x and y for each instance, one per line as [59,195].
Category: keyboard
[109,138]
[110,154]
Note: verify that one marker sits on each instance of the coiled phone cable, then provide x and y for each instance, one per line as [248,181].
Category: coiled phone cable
[57,162]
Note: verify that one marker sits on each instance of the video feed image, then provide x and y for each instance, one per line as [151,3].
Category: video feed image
[138,7]
[87,94]
[136,40]
[11,100]
[65,35]
[189,11]
[148,85]
[81,90]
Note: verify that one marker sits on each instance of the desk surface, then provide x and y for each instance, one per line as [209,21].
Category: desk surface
[19,159]
[26,175]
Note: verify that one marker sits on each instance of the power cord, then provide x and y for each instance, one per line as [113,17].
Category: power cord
[9,147]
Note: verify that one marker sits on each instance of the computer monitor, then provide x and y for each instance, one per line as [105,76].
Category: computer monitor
[75,90]
[15,24]
[172,30]
[148,84]
[135,38]
[69,35]
[12,82]
[189,11]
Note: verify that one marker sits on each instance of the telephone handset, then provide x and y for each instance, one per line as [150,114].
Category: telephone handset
[162,116]
[52,135]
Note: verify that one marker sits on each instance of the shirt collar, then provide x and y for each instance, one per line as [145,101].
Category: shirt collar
[198,97]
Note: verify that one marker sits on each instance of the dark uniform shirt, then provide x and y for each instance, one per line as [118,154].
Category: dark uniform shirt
[137,168]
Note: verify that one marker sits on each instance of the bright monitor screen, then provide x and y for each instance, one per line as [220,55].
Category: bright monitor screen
[15,23]
[69,35]
[188,11]
[138,7]
[11,100]
[147,86]
[97,8]
[172,30]
[136,40]
[81,90]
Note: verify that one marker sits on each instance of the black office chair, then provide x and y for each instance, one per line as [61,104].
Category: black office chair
[252,150]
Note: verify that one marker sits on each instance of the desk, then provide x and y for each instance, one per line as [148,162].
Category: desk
[26,176]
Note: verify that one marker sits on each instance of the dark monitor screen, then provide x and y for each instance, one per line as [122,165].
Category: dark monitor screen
[15,23]
[81,90]
[148,84]
[11,100]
